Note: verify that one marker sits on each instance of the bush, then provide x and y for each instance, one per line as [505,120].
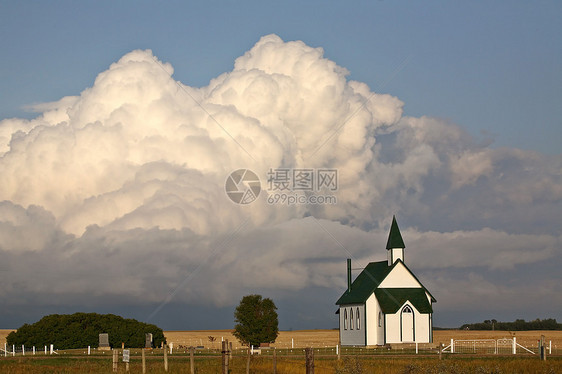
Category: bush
[79,330]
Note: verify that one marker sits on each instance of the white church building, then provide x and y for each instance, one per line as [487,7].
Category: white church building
[386,303]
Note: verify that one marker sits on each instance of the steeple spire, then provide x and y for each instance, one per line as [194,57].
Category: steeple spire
[394,237]
[395,245]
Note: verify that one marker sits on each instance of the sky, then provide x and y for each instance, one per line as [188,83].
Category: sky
[121,122]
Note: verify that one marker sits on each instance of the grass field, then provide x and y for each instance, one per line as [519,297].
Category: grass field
[292,361]
[329,338]
[289,365]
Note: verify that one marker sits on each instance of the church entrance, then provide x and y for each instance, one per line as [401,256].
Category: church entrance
[407,327]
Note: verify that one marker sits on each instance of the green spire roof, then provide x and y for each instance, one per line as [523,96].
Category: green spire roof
[394,237]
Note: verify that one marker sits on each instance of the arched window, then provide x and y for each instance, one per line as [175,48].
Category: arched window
[344,318]
[380,318]
[351,318]
[407,309]
[358,324]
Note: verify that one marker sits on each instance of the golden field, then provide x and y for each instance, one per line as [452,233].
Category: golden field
[329,338]
[3,334]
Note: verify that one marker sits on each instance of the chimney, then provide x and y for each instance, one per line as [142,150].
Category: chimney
[348,275]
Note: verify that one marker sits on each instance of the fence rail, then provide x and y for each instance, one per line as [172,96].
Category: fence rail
[493,346]
[457,346]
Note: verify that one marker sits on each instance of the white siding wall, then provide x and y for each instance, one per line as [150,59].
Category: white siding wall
[375,333]
[421,326]
[397,253]
[355,336]
[393,327]
[399,277]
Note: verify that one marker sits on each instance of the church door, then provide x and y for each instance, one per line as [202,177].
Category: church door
[407,324]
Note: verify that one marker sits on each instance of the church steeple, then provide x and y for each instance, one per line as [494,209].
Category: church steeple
[395,245]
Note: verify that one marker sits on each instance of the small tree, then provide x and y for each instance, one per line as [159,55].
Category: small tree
[256,321]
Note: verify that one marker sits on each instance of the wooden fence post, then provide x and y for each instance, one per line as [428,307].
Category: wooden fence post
[143,358]
[228,357]
[274,361]
[191,360]
[440,350]
[224,357]
[115,358]
[248,361]
[165,346]
[309,356]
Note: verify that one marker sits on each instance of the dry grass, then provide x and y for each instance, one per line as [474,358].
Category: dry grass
[292,365]
[525,338]
[300,339]
[3,334]
[329,338]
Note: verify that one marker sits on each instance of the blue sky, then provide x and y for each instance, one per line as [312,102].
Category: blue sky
[457,134]
[492,67]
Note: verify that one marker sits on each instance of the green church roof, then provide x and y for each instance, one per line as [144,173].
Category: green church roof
[394,237]
[391,299]
[369,280]
[365,283]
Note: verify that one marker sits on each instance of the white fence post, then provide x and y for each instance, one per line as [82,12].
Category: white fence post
[292,343]
[52,349]
[452,346]
[5,349]
[45,350]
[514,345]
[23,350]
[88,350]
[34,350]
[416,347]
[550,347]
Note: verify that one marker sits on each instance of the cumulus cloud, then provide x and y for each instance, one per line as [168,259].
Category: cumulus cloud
[121,188]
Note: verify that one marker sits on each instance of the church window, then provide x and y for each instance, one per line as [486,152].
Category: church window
[345,319]
[407,309]
[351,318]
[358,324]
[380,318]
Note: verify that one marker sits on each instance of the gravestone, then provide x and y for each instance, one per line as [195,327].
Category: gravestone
[148,340]
[104,342]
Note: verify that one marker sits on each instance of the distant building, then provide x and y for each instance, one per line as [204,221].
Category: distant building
[386,303]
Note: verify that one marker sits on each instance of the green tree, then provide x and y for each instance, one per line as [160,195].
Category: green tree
[256,320]
[79,330]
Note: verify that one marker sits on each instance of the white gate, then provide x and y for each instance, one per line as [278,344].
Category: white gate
[486,346]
